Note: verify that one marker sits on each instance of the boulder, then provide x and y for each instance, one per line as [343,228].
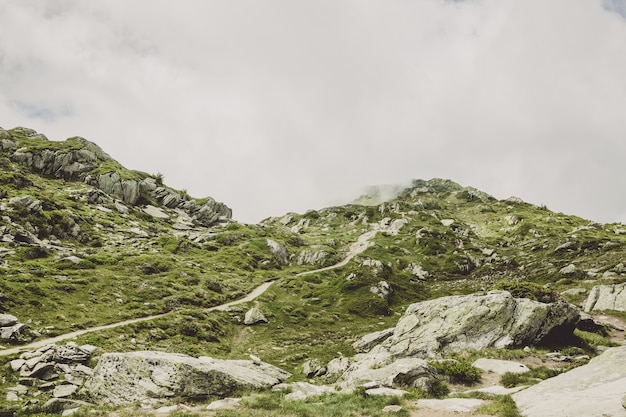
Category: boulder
[591,390]
[404,372]
[313,368]
[607,297]
[451,324]
[337,367]
[7,320]
[278,251]
[126,378]
[253,316]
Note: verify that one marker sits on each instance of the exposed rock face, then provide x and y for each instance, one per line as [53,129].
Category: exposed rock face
[455,323]
[607,297]
[59,369]
[278,251]
[126,378]
[592,390]
[11,328]
[365,343]
[81,160]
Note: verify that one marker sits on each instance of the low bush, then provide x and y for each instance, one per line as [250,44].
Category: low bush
[457,371]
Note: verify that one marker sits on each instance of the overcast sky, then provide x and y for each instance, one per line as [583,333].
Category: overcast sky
[287,105]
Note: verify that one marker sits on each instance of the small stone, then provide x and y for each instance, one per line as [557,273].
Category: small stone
[392,409]
[224,404]
[16,364]
[255,360]
[12,396]
[62,391]
[387,392]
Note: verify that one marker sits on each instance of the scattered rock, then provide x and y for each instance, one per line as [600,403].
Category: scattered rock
[567,246]
[7,320]
[337,367]
[64,390]
[568,270]
[57,405]
[155,212]
[392,409]
[126,378]
[224,404]
[574,291]
[404,372]
[500,366]
[253,316]
[278,251]
[456,405]
[303,390]
[607,297]
[313,368]
[386,392]
[591,390]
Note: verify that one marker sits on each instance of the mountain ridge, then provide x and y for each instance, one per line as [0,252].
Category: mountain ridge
[86,242]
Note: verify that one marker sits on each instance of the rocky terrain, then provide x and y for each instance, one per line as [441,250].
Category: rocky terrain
[122,296]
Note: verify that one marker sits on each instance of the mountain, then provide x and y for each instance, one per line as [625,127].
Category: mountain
[86,242]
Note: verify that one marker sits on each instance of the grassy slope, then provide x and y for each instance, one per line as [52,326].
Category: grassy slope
[126,273]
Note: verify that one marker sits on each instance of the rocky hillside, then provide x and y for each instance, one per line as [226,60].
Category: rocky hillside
[86,242]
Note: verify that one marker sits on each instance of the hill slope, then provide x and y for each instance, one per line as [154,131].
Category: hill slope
[86,242]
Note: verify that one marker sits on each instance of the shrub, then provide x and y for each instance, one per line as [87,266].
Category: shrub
[457,371]
[437,389]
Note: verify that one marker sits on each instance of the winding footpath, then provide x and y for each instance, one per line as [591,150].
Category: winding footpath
[362,243]
[40,343]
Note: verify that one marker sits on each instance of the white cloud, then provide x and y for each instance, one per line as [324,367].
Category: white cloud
[281,106]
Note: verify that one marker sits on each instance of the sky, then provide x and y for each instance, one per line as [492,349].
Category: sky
[280,106]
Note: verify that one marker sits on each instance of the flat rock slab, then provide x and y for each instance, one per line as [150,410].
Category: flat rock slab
[458,405]
[592,390]
[127,378]
[499,366]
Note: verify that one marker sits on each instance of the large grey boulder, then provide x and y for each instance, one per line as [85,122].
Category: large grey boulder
[607,297]
[592,390]
[496,319]
[126,378]
[278,251]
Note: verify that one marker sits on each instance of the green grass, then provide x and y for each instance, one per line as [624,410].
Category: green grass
[339,405]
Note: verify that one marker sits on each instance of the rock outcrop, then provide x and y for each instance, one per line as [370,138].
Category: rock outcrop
[59,370]
[278,251]
[607,297]
[126,378]
[446,325]
[10,327]
[592,390]
[496,319]
[78,159]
